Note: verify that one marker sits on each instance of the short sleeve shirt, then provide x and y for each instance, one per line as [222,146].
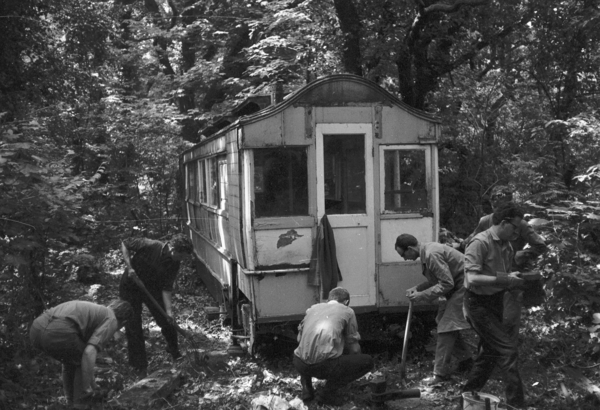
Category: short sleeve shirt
[324,332]
[153,265]
[95,323]
[487,254]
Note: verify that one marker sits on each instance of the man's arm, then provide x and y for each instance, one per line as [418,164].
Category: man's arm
[167,296]
[445,282]
[503,280]
[129,271]
[88,360]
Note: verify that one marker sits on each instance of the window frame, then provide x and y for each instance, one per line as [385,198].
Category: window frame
[428,179]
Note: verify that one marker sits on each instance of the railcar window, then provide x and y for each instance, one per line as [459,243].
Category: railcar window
[280,182]
[344,162]
[202,181]
[405,181]
[213,182]
[192,173]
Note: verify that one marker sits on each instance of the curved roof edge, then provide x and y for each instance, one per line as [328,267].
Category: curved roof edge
[294,97]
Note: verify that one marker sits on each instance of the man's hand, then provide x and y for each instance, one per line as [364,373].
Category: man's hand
[410,291]
[417,297]
[509,280]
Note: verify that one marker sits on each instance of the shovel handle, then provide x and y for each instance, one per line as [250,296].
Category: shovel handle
[405,341]
[160,309]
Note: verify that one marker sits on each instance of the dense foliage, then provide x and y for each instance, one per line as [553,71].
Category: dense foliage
[98,97]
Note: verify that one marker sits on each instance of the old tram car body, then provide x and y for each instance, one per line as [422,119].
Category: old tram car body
[257,189]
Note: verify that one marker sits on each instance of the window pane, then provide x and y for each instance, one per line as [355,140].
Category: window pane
[344,165]
[202,181]
[192,181]
[280,182]
[214,182]
[405,181]
[222,183]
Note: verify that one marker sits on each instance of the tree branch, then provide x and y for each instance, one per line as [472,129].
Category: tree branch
[451,8]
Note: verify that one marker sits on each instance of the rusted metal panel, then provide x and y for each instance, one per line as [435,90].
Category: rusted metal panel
[283,247]
[281,296]
[213,147]
[343,115]
[268,132]
[334,93]
[394,279]
[399,126]
[293,126]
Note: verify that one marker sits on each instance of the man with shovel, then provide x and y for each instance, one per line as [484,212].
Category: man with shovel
[443,267]
[148,279]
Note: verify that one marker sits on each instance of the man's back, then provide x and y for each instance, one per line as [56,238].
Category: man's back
[325,330]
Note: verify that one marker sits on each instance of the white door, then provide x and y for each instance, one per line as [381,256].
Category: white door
[345,194]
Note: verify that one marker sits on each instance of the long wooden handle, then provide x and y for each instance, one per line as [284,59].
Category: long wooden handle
[162,311]
[405,342]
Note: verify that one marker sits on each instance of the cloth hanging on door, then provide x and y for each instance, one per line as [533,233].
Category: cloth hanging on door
[324,268]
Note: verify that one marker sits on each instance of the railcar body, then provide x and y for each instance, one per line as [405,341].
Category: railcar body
[257,189]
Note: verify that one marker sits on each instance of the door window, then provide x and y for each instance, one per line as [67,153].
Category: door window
[406,188]
[344,169]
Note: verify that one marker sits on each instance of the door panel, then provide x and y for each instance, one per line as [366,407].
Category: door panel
[345,194]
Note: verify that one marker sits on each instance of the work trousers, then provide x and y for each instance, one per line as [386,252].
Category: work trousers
[513,303]
[449,344]
[60,339]
[338,372]
[136,344]
[496,346]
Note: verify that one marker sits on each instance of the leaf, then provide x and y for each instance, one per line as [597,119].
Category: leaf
[539,222]
[596,318]
[593,216]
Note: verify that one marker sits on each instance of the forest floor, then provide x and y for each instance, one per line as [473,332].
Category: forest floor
[269,378]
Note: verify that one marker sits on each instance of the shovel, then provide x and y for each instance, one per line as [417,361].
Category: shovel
[188,336]
[405,345]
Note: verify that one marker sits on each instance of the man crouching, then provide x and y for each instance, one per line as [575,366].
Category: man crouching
[328,347]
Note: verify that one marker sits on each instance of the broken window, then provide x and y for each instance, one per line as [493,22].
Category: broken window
[280,182]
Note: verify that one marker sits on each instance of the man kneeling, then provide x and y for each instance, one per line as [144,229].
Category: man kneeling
[328,347]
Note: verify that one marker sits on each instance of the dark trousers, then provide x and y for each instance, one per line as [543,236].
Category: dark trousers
[497,347]
[136,346]
[339,371]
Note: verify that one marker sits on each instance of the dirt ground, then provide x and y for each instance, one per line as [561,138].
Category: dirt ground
[239,381]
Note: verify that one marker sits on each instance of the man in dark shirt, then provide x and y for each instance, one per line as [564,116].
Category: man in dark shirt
[155,266]
[73,333]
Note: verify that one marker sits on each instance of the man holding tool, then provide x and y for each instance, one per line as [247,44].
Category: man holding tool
[443,267]
[489,276]
[328,347]
[148,279]
[73,333]
[523,260]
